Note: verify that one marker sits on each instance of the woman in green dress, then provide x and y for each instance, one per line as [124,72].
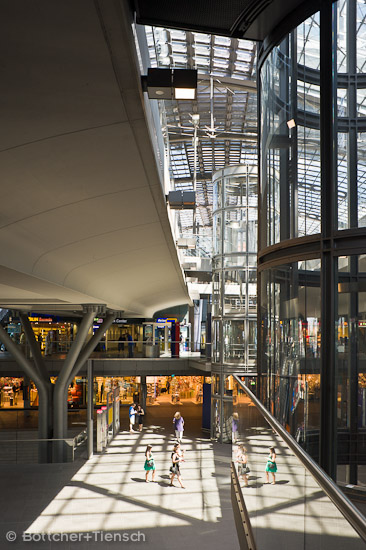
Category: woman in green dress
[149,464]
[271,465]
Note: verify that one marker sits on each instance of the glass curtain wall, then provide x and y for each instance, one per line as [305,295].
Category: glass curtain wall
[311,260]
[234,302]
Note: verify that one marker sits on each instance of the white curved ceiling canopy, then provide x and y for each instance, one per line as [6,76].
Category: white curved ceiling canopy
[82,211]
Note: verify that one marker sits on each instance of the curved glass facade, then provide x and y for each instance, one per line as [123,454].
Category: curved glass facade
[234,298]
[312,237]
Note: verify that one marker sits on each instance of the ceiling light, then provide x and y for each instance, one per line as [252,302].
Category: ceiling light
[184,93]
[170,83]
[291,123]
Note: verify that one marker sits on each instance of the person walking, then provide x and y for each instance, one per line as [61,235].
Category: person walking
[234,427]
[121,345]
[149,464]
[130,345]
[178,422]
[242,461]
[132,416]
[140,413]
[48,344]
[271,465]
[177,457]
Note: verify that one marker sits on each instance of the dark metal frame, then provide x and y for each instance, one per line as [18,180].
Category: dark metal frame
[331,242]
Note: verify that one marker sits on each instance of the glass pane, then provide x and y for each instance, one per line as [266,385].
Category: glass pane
[235,231]
[217,234]
[342,181]
[361,36]
[216,342]
[309,181]
[312,520]
[235,260]
[361,179]
[235,292]
[342,36]
[351,353]
[290,354]
[290,159]
[217,197]
[342,102]
[234,339]
[235,191]
[216,294]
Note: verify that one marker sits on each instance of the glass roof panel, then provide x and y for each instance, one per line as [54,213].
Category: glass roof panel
[228,114]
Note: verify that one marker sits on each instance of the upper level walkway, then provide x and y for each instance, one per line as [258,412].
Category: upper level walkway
[107,496]
[188,363]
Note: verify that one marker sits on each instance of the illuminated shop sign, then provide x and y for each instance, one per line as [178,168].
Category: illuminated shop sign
[362,324]
[40,319]
[98,320]
[167,320]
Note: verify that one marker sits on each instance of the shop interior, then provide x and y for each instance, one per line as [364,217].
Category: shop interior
[160,389]
[53,336]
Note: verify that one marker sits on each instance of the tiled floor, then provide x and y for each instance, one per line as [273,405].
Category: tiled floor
[106,498]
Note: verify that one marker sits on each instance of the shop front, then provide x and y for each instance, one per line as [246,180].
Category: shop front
[123,339]
[11,392]
[53,334]
[160,389]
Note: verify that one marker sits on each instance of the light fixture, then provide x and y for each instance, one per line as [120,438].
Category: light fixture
[170,83]
[187,243]
[185,83]
[182,200]
[291,123]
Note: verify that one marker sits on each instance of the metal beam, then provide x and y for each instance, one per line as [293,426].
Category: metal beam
[229,82]
[34,347]
[72,356]
[30,371]
[91,345]
[90,411]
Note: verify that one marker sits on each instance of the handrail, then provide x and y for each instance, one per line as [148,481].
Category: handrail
[246,533]
[344,505]
[74,442]
[35,440]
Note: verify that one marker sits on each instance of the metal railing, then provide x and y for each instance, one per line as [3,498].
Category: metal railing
[109,349]
[343,504]
[241,516]
[31,451]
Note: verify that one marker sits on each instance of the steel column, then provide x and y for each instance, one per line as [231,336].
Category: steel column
[90,411]
[41,368]
[35,376]
[91,345]
[352,407]
[328,409]
[61,384]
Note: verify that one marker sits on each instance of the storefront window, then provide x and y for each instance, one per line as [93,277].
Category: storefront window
[14,394]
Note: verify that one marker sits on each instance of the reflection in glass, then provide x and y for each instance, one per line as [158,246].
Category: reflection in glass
[234,284]
[351,354]
[291,322]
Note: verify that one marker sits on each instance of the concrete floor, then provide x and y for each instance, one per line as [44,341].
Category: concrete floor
[97,501]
